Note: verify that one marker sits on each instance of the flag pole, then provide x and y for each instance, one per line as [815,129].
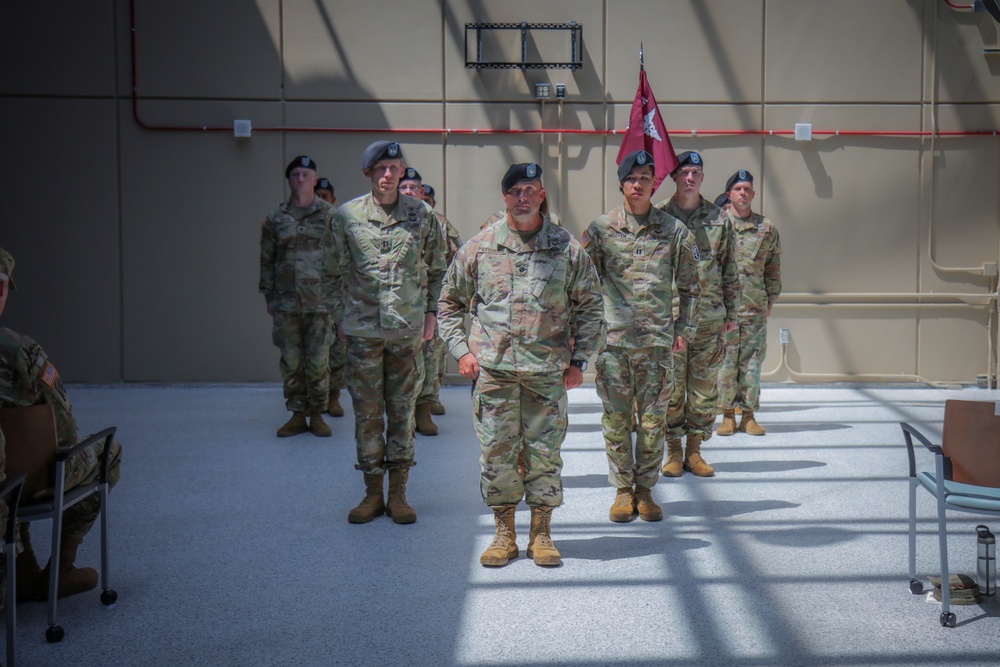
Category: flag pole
[642,63]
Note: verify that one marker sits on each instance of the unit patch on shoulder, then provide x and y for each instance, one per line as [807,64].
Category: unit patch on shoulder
[695,254]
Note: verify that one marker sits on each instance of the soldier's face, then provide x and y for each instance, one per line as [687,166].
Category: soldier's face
[326,196]
[638,185]
[688,179]
[302,180]
[524,198]
[385,175]
[741,195]
[411,188]
[429,200]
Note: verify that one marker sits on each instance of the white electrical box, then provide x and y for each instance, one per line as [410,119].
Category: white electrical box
[803,132]
[242,129]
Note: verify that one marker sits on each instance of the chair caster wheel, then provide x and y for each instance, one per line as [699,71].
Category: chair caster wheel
[916,586]
[109,597]
[948,620]
[54,634]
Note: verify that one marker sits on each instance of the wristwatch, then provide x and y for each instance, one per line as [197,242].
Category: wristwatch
[579,363]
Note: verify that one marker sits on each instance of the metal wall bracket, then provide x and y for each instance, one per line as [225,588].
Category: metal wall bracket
[574,29]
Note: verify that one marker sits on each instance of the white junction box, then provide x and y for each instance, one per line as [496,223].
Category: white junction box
[242,129]
[803,131]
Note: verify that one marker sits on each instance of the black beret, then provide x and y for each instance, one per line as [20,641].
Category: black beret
[300,161]
[524,171]
[634,159]
[689,157]
[324,184]
[722,200]
[410,174]
[739,177]
[380,150]
[428,190]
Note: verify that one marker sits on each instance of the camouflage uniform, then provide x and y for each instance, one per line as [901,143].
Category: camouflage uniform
[696,368]
[757,253]
[638,265]
[338,361]
[528,303]
[393,266]
[433,360]
[297,263]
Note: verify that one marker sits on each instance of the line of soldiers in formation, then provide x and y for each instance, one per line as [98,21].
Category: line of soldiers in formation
[672,298]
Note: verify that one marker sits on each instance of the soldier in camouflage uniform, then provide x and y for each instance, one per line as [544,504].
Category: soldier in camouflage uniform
[338,348]
[757,253]
[535,307]
[432,359]
[696,369]
[27,377]
[393,264]
[640,253]
[297,262]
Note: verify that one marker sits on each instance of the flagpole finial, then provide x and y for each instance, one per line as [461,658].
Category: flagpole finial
[642,62]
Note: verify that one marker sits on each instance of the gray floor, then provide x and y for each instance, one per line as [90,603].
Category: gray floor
[231,547]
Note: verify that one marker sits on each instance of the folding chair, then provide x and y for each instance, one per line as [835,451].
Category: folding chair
[966,478]
[11,494]
[33,450]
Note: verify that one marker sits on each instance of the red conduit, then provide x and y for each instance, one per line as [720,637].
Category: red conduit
[954,6]
[465,131]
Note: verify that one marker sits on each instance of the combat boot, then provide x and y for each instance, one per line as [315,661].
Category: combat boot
[318,427]
[693,462]
[372,505]
[333,407]
[540,547]
[504,545]
[674,465]
[31,583]
[72,580]
[437,408]
[425,425]
[749,425]
[623,509]
[396,505]
[647,507]
[297,424]
[728,425]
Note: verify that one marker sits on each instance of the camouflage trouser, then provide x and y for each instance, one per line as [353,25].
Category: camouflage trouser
[382,379]
[338,361]
[511,411]
[739,378]
[695,398]
[630,379]
[303,339]
[432,359]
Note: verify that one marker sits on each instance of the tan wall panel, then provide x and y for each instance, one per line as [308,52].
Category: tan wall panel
[61,224]
[964,72]
[846,51]
[953,343]
[192,204]
[63,47]
[348,50]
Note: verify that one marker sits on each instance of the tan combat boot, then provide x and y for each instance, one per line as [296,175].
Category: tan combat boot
[728,425]
[647,507]
[692,458]
[372,505]
[333,407]
[437,408]
[674,465]
[540,546]
[318,427]
[425,425]
[72,580]
[504,545]
[749,425]
[297,424]
[31,583]
[623,509]
[396,505]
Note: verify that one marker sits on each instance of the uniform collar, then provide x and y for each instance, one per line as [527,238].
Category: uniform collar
[507,238]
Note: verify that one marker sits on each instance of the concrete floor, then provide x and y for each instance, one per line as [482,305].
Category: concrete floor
[232,547]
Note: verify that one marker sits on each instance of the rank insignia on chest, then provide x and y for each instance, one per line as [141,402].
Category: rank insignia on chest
[638,251]
[386,245]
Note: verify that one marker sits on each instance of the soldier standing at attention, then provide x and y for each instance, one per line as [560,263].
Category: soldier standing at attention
[757,252]
[297,262]
[27,377]
[531,291]
[640,253]
[393,263]
[338,348]
[696,368]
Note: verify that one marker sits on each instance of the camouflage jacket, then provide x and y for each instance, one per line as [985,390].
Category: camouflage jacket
[717,270]
[529,303]
[638,267]
[392,266]
[757,252]
[450,238]
[297,258]
[27,377]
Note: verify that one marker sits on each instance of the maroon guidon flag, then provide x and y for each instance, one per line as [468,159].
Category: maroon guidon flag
[646,131]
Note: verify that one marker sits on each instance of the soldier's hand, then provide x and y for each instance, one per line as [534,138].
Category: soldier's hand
[679,344]
[730,326]
[572,378]
[430,326]
[270,308]
[341,334]
[468,366]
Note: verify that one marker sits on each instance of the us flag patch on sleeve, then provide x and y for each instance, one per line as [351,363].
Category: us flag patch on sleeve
[49,374]
[585,239]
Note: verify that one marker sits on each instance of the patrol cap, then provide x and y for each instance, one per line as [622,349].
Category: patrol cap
[692,158]
[722,200]
[300,161]
[740,176]
[379,151]
[324,184]
[523,171]
[428,190]
[410,174]
[634,159]
[7,267]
